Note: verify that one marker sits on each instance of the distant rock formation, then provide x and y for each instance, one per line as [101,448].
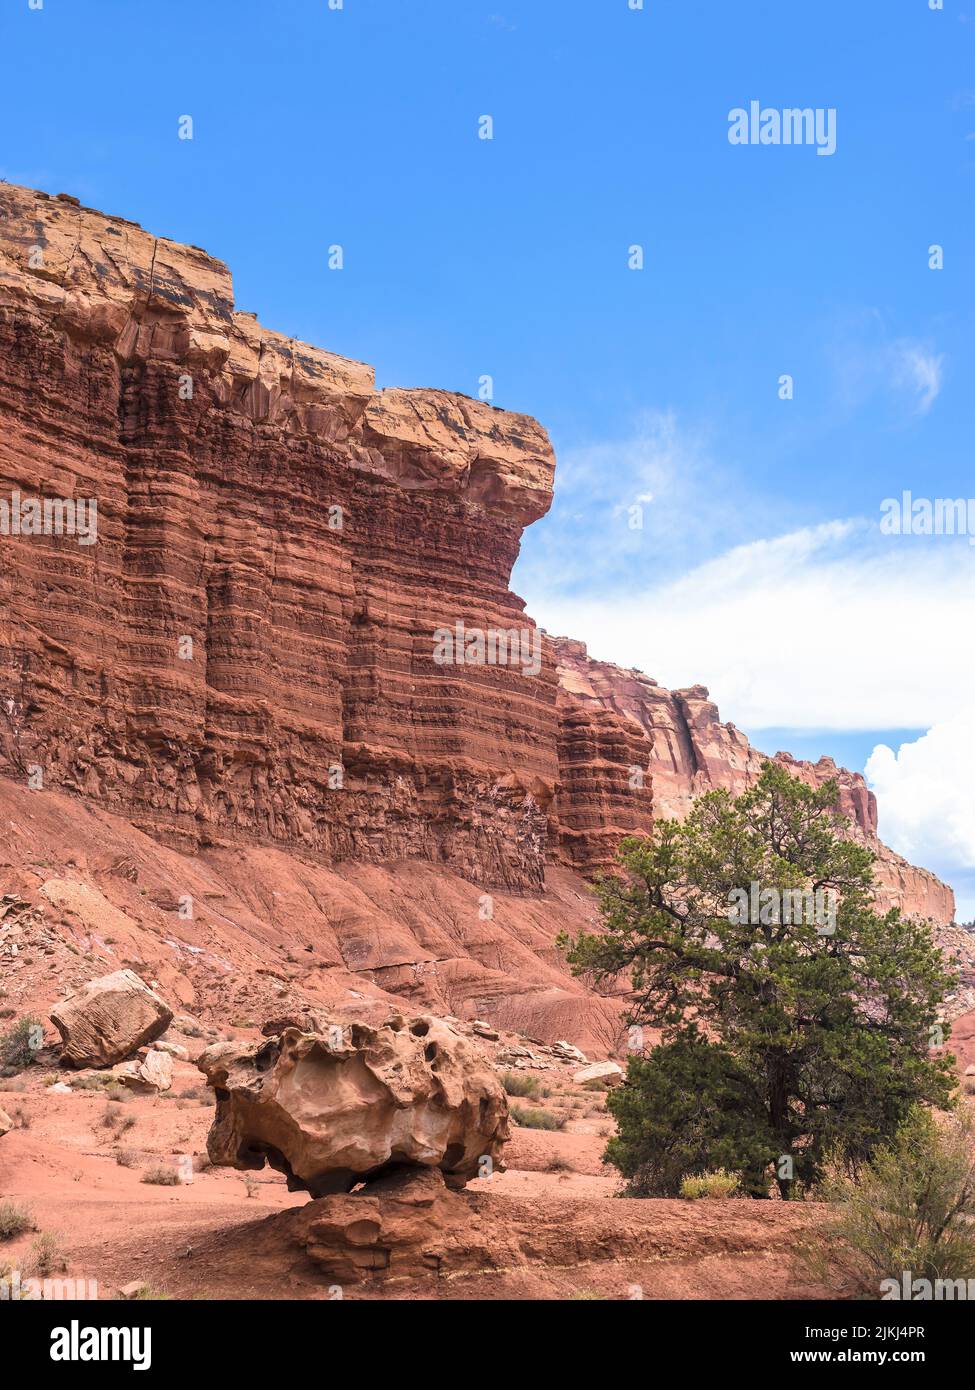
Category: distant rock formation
[631,751]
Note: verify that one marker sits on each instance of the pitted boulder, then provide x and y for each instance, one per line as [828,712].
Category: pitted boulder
[354,1102]
[108,1019]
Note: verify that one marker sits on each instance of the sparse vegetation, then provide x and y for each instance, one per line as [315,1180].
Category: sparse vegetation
[162,1177]
[115,1118]
[45,1257]
[536,1119]
[20,1044]
[911,1209]
[717,1184]
[15,1219]
[519,1083]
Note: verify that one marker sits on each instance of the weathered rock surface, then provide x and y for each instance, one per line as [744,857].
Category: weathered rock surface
[108,1019]
[247,652]
[335,1108]
[150,1073]
[599,1071]
[6,1123]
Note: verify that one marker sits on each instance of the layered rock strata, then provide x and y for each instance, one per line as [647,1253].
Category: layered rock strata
[287,623]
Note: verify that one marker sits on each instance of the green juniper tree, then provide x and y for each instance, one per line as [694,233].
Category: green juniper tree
[786,1033]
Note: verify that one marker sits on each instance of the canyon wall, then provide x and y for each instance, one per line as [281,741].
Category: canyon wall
[262,647]
[631,751]
[247,651]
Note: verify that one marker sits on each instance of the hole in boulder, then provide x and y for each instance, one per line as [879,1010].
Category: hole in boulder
[420,1028]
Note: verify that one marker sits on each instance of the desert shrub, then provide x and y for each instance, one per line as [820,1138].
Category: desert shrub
[518,1083]
[162,1177]
[147,1294]
[717,1184]
[91,1081]
[45,1257]
[557,1164]
[117,1093]
[596,1083]
[536,1119]
[968,1086]
[125,1158]
[911,1209]
[115,1118]
[15,1219]
[20,1044]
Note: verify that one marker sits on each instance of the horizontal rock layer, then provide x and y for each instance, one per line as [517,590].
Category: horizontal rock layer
[248,655]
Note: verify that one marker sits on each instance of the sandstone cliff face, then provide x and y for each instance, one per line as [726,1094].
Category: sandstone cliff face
[248,648]
[246,657]
[631,751]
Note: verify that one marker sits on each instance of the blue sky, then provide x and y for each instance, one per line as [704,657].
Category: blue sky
[758,568]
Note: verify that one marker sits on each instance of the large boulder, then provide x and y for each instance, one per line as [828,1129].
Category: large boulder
[108,1019]
[334,1108]
[6,1123]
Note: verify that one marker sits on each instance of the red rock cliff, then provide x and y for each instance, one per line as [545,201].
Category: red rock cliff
[307,533]
[246,655]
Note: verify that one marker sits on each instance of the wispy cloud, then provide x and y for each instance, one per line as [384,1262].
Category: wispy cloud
[918,370]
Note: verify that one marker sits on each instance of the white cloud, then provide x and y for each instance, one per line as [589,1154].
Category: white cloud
[926,799]
[919,371]
[826,627]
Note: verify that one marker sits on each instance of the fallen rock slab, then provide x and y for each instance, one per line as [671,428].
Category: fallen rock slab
[336,1108]
[599,1071]
[148,1075]
[108,1019]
